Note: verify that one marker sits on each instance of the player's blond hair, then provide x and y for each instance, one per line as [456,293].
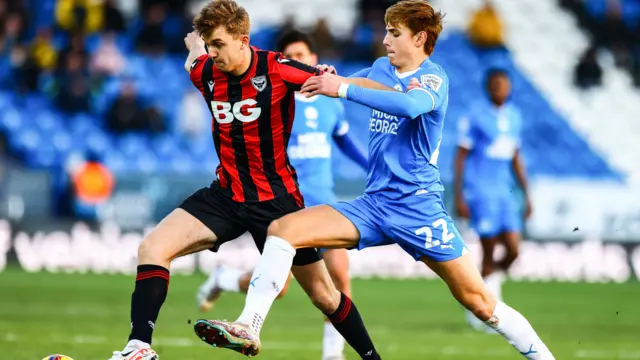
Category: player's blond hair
[227,13]
[417,16]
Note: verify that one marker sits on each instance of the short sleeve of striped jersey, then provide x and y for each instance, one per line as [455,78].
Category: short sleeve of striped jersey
[195,74]
[294,73]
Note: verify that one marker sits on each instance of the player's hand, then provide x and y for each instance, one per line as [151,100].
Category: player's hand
[193,40]
[413,84]
[325,84]
[462,209]
[327,68]
[528,209]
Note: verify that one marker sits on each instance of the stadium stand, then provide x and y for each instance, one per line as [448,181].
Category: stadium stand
[44,137]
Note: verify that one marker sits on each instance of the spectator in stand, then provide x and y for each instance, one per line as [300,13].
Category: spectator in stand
[322,37]
[18,67]
[80,15]
[113,18]
[73,85]
[107,60]
[485,28]
[613,33]
[150,38]
[75,47]
[588,73]
[43,52]
[127,113]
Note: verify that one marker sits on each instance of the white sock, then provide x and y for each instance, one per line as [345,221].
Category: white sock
[517,330]
[494,284]
[136,345]
[268,279]
[229,278]
[332,342]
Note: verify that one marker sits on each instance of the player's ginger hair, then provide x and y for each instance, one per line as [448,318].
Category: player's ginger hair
[227,13]
[417,16]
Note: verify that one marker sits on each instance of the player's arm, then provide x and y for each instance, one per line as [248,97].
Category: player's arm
[367,84]
[194,43]
[360,79]
[349,145]
[521,177]
[411,104]
[465,144]
[294,73]
[361,73]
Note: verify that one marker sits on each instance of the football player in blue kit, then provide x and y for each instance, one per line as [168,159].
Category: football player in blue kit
[487,159]
[402,203]
[319,121]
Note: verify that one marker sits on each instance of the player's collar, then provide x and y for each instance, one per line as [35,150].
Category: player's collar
[252,64]
[409,73]
[406,73]
[305,99]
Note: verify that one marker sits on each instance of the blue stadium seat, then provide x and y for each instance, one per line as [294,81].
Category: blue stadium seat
[133,144]
[97,142]
[117,162]
[147,162]
[11,120]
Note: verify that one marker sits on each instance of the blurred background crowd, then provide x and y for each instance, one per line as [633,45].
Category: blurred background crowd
[93,96]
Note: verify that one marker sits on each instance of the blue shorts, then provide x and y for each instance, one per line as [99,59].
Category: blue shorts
[419,224]
[493,216]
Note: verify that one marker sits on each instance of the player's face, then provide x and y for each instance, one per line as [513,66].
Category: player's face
[299,51]
[499,88]
[226,50]
[401,45]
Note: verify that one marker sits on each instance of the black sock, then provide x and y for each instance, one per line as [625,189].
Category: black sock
[152,283]
[346,319]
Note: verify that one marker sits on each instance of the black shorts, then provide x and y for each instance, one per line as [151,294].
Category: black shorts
[229,219]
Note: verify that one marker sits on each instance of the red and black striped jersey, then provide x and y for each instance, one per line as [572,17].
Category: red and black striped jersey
[252,116]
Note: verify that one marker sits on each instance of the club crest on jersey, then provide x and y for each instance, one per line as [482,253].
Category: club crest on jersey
[432,81]
[259,82]
[398,87]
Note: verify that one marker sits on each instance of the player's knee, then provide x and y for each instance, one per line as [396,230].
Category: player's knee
[513,253]
[326,301]
[283,229]
[481,305]
[150,252]
[274,228]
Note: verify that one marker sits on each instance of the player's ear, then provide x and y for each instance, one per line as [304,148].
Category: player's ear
[420,39]
[245,40]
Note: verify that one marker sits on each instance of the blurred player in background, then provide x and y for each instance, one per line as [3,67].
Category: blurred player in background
[488,156]
[402,203]
[250,94]
[319,119]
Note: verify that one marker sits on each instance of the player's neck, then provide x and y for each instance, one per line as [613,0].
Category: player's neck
[413,64]
[244,66]
[498,104]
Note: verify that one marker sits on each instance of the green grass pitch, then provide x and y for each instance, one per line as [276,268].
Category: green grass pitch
[87,317]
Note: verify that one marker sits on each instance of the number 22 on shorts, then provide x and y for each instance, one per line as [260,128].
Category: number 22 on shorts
[428,233]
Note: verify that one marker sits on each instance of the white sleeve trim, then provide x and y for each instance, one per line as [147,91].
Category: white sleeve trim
[433,100]
[342,90]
